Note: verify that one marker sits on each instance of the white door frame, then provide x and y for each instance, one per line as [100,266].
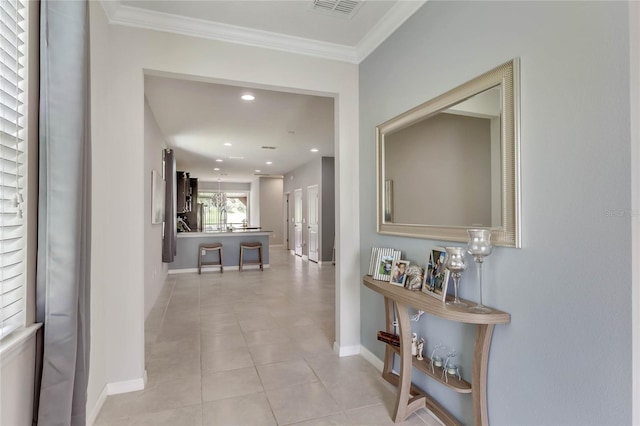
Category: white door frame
[287,221]
[634,84]
[298,221]
[317,214]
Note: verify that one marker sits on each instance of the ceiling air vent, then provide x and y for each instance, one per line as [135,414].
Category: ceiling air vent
[342,8]
[268,147]
[268,175]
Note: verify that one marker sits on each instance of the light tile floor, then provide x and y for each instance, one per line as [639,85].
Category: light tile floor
[252,348]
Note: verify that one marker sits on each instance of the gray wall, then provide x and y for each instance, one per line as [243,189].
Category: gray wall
[565,358]
[155,272]
[327,213]
[254,203]
[271,212]
[309,174]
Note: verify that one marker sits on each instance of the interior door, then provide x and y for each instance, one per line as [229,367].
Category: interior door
[312,222]
[297,221]
[287,215]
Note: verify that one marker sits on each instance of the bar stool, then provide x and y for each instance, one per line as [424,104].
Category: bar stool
[251,246]
[204,248]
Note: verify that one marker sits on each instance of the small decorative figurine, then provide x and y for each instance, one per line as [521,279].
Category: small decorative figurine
[420,348]
[436,361]
[453,370]
[414,277]
[451,354]
[414,344]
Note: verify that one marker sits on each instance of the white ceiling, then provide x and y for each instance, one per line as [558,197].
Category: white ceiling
[197,118]
[289,25]
[292,18]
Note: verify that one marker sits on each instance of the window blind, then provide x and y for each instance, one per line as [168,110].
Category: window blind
[12,164]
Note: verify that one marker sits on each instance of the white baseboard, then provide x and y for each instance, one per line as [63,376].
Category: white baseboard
[115,389]
[373,360]
[93,415]
[184,271]
[215,269]
[346,350]
[126,386]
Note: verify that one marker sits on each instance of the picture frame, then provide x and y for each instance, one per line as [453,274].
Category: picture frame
[384,263]
[398,272]
[157,198]
[436,278]
[375,251]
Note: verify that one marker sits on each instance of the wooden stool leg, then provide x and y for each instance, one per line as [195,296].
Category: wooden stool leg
[199,261]
[221,262]
[241,254]
[260,258]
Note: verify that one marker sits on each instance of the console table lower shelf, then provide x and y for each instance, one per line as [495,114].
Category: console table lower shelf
[418,398]
[397,301]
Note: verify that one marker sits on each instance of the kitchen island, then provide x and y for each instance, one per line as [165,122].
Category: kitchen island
[188,244]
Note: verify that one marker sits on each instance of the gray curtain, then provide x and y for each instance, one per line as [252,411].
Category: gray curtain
[64,212]
[170,201]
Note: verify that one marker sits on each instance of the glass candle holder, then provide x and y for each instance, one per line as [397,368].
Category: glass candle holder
[455,263]
[479,247]
[437,361]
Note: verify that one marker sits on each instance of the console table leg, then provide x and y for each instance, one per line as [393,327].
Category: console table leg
[406,363]
[479,373]
[388,352]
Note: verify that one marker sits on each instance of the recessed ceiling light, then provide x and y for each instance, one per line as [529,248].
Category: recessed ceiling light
[257,171]
[216,168]
[219,160]
[248,97]
[269,162]
[227,144]
[236,158]
[314,149]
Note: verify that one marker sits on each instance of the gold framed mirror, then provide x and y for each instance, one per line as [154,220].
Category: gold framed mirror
[452,163]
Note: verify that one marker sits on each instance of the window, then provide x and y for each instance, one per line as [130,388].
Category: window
[223,209]
[12,163]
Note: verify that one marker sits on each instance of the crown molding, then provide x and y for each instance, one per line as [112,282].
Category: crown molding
[394,18]
[120,14]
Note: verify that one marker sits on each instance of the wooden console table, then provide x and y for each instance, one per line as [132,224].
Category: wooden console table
[410,397]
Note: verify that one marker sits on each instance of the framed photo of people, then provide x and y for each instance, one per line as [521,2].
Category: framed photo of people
[384,263]
[399,272]
[436,277]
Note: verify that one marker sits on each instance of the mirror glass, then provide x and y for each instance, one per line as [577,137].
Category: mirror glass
[450,164]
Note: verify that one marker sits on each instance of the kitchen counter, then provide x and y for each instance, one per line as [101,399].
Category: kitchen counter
[188,243]
[235,232]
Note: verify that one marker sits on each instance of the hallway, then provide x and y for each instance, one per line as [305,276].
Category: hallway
[252,348]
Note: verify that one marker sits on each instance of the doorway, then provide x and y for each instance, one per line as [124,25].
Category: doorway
[312,222]
[287,221]
[346,273]
[297,218]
